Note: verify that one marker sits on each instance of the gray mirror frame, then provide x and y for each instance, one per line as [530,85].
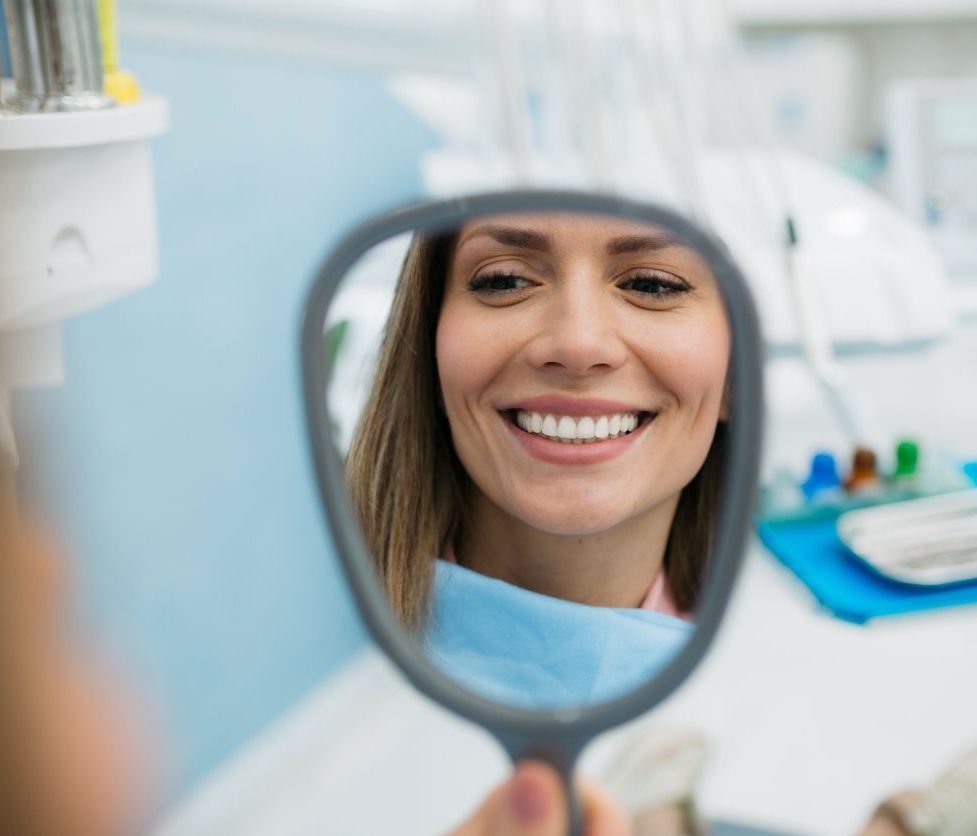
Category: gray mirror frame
[556,735]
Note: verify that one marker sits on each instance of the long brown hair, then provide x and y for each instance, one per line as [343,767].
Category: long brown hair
[408,485]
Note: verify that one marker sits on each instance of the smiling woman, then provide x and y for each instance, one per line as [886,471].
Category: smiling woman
[542,447]
[595,331]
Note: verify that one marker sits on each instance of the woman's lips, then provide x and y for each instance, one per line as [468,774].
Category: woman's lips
[559,452]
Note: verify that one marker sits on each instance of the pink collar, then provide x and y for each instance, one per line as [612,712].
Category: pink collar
[658,599]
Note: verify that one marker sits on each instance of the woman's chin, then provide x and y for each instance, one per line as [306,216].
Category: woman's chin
[579,521]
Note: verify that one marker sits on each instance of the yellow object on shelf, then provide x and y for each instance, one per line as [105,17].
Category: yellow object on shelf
[120,84]
[110,35]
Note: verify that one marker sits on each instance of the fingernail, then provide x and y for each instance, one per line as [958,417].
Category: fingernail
[527,799]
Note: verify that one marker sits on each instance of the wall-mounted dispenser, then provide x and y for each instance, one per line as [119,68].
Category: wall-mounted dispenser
[77,208]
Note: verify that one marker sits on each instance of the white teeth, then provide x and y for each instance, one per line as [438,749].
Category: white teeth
[567,428]
[583,430]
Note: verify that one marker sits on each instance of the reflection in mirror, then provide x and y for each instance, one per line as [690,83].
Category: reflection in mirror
[532,410]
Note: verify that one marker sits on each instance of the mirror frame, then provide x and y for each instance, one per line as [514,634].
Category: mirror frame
[556,735]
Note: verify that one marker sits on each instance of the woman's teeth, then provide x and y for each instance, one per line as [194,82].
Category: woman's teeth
[577,430]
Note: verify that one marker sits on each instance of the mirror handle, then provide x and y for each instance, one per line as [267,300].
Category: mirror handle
[562,756]
[575,813]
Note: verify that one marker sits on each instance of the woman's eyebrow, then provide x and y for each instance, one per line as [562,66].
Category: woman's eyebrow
[643,243]
[511,236]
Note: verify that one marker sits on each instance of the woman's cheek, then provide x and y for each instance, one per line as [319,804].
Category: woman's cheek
[450,354]
[468,350]
[694,361]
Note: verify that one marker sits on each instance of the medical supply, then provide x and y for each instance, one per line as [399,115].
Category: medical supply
[56,56]
[823,478]
[928,542]
[120,84]
[928,571]
[824,493]
[864,476]
[845,586]
[907,463]
[921,473]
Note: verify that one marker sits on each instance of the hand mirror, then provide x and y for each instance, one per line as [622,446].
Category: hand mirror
[535,419]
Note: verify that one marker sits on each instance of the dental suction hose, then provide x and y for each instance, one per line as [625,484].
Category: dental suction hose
[816,345]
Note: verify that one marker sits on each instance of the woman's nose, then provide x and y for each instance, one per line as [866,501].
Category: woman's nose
[578,333]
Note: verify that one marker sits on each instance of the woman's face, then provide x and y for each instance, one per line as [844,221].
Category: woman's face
[558,325]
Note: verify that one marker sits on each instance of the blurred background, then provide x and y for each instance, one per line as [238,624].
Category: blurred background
[169,445]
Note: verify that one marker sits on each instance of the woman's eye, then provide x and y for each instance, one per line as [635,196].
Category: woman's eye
[498,283]
[656,286]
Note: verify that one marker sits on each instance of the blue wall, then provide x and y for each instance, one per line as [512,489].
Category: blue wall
[177,443]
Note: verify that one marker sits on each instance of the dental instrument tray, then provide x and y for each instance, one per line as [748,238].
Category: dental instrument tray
[927,542]
[846,585]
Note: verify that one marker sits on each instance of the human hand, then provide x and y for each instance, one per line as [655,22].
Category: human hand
[532,803]
[73,760]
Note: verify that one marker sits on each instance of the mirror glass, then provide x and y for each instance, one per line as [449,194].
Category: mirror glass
[532,412]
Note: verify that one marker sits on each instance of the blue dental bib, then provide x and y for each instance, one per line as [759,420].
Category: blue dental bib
[532,651]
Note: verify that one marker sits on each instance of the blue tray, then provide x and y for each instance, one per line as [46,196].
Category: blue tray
[841,583]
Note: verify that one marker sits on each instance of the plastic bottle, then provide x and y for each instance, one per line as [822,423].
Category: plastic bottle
[823,477]
[864,476]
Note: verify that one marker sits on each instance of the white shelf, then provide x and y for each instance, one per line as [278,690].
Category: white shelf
[77,216]
[142,120]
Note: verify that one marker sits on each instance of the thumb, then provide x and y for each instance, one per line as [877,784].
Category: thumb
[532,803]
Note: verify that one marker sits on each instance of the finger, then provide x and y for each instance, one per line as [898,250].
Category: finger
[533,803]
[602,813]
[478,823]
[530,803]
